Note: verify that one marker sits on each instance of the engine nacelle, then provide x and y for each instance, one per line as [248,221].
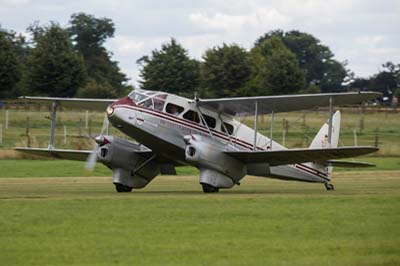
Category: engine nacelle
[119,155]
[216,168]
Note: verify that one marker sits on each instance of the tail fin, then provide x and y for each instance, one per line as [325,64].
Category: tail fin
[321,141]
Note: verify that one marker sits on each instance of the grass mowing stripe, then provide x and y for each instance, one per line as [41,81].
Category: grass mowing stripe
[61,168]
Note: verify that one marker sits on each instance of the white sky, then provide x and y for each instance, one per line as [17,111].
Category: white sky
[364,32]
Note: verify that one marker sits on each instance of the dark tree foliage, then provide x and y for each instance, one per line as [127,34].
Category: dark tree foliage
[89,34]
[170,70]
[334,75]
[10,67]
[54,68]
[275,69]
[92,89]
[225,71]
[315,59]
[386,81]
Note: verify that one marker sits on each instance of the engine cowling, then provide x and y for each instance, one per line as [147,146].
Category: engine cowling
[216,168]
[119,155]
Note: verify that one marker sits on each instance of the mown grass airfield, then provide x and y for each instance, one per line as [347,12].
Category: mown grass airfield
[82,221]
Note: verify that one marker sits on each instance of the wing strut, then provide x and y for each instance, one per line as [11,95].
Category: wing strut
[330,121]
[255,124]
[53,113]
[271,129]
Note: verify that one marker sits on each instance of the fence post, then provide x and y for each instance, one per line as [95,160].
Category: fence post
[361,125]
[376,137]
[6,122]
[355,137]
[28,138]
[90,127]
[65,134]
[86,119]
[1,134]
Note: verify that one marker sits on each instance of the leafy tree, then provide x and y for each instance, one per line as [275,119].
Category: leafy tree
[334,76]
[315,59]
[10,68]
[54,68]
[275,69]
[225,71]
[169,69]
[89,35]
[92,89]
[386,81]
[360,84]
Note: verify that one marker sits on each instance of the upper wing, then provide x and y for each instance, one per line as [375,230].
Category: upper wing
[78,103]
[284,103]
[282,157]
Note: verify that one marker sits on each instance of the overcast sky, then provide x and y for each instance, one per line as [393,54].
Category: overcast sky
[366,33]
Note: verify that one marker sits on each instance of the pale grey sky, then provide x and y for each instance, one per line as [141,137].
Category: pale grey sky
[364,32]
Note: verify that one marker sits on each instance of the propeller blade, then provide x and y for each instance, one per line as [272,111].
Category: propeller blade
[92,158]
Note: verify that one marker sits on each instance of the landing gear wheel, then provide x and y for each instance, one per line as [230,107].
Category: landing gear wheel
[329,186]
[209,189]
[122,188]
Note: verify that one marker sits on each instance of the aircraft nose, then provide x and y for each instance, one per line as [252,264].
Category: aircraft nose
[123,101]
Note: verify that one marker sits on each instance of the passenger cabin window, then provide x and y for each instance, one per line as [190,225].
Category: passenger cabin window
[210,121]
[159,101]
[174,109]
[192,116]
[148,103]
[227,127]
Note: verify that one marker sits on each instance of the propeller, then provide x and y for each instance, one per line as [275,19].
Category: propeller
[99,140]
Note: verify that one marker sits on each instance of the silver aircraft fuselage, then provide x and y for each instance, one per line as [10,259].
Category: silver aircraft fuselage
[163,132]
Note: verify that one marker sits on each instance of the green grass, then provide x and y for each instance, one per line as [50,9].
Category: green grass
[82,221]
[64,168]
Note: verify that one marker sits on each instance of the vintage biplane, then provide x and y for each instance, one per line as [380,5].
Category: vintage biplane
[167,131]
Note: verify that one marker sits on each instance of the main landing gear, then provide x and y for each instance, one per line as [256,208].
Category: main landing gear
[329,186]
[122,188]
[209,189]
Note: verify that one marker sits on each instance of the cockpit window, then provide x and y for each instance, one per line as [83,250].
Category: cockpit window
[136,96]
[147,103]
[158,104]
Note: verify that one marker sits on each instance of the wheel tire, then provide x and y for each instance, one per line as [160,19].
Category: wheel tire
[209,189]
[329,187]
[122,188]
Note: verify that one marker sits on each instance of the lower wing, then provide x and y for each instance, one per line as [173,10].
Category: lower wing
[282,157]
[78,155]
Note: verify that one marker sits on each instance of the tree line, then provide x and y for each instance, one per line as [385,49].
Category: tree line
[72,61]
[61,61]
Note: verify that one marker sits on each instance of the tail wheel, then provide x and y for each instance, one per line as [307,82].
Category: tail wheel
[329,186]
[209,189]
[122,188]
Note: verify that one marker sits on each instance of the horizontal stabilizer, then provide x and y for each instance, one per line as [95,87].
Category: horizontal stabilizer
[78,155]
[292,156]
[349,164]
